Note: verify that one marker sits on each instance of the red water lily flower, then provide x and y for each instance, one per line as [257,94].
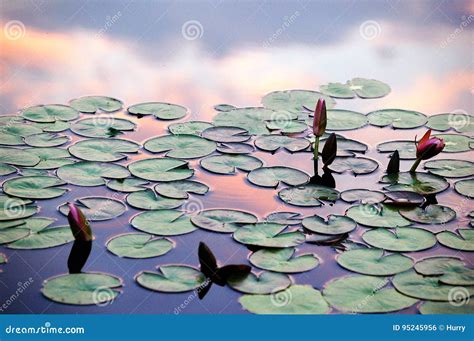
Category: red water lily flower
[80,227]
[320,118]
[428,146]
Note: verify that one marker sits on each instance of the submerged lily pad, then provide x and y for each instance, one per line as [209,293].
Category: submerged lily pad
[127,185]
[91,173]
[46,140]
[465,187]
[450,168]
[103,150]
[91,104]
[363,196]
[283,260]
[15,208]
[374,262]
[463,240]
[295,100]
[222,220]
[273,176]
[402,239]
[149,200]
[228,164]
[189,128]
[82,288]
[139,245]
[226,134]
[432,214]
[268,235]
[420,183]
[377,215]
[397,118]
[345,120]
[97,208]
[18,157]
[308,195]
[50,113]
[334,224]
[272,143]
[406,149]
[462,123]
[34,187]
[163,222]
[102,126]
[161,169]
[180,146]
[51,158]
[42,235]
[162,111]
[455,143]
[284,218]
[451,270]
[180,189]
[172,278]
[365,294]
[263,283]
[362,87]
[253,120]
[357,165]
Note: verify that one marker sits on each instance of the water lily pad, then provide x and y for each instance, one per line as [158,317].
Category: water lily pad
[273,176]
[161,169]
[334,224]
[53,127]
[461,122]
[149,200]
[51,158]
[284,218]
[139,245]
[462,240]
[46,140]
[172,278]
[365,294]
[103,150]
[345,147]
[91,173]
[3,258]
[363,87]
[374,262]
[50,113]
[263,283]
[180,146]
[442,308]
[18,157]
[295,100]
[235,148]
[82,288]
[397,118]
[287,126]
[450,168]
[34,172]
[226,134]
[268,235]
[363,196]
[406,149]
[97,208]
[228,164]
[283,260]
[337,90]
[102,126]
[15,208]
[420,183]
[6,169]
[451,270]
[345,120]
[253,120]
[402,239]
[91,104]
[455,143]
[163,222]
[377,215]
[432,214]
[34,187]
[272,143]
[162,111]
[357,165]
[465,187]
[308,195]
[222,220]
[224,107]
[127,185]
[297,299]
[180,189]
[13,134]
[189,128]
[11,234]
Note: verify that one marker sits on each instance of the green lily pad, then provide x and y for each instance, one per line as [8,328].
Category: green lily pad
[226,134]
[46,140]
[420,183]
[34,187]
[363,196]
[11,234]
[357,165]
[127,185]
[82,288]
[451,270]
[402,239]
[180,146]
[426,287]
[235,148]
[91,104]
[287,126]
[295,100]
[103,150]
[442,308]
[253,120]
[345,147]
[228,164]
[450,168]
[377,215]
[102,126]
[14,134]
[374,262]
[34,172]
[364,88]
[283,260]
[224,107]
[172,278]
[15,208]
[162,111]
[53,127]
[3,258]
[455,143]
[463,240]
[6,169]
[51,158]
[18,157]
[365,294]
[263,283]
[180,189]
[222,220]
[465,187]
[337,90]
[189,128]
[149,200]
[397,118]
[97,208]
[161,169]
[297,299]
[139,245]
[272,143]
[273,176]
[268,235]
[308,195]
[462,123]
[91,173]
[163,222]
[284,218]
[432,214]
[406,149]
[50,113]
[345,120]
[334,224]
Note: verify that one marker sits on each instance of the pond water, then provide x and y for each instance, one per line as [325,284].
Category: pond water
[137,53]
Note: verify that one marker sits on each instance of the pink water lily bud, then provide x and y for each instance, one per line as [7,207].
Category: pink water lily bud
[320,118]
[429,146]
[80,227]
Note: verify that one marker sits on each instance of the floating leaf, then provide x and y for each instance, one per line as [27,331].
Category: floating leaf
[222,220]
[224,107]
[6,169]
[346,147]
[172,278]
[263,283]
[374,262]
[235,148]
[364,294]
[226,134]
[97,208]
[46,140]
[397,118]
[180,189]
[3,258]
[463,240]
[295,100]
[180,146]
[149,200]
[91,173]
[442,308]
[161,169]
[103,150]
[364,196]
[287,126]
[34,187]
[11,234]
[162,111]
[363,87]
[18,157]
[189,128]
[406,149]
[465,187]
[432,214]
[228,164]
[334,224]
[127,185]
[51,158]
[283,260]
[420,183]
[455,143]
[102,126]
[91,104]
[461,122]
[139,245]
[402,239]
[163,222]
[404,198]
[53,127]
[50,113]
[345,120]
[357,165]
[15,208]
[253,120]
[13,134]
[451,270]
[284,218]
[337,90]
[308,195]
[82,288]
[272,143]
[273,176]
[377,215]
[268,235]
[450,168]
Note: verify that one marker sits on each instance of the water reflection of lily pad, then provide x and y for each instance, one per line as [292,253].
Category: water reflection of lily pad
[406,149]
[345,120]
[283,260]
[222,220]
[357,165]
[397,118]
[91,173]
[149,200]
[363,196]
[139,245]
[189,128]
[462,240]
[46,140]
[226,134]
[273,176]
[18,157]
[309,195]
[461,122]
[12,208]
[162,111]
[402,239]
[334,224]
[42,235]
[91,104]
[163,222]
[127,185]
[432,214]
[295,100]
[420,183]
[51,158]
[180,146]
[272,143]
[180,189]
[34,187]
[97,208]
[50,113]
[268,235]
[161,169]
[451,270]
[102,126]
[103,150]
[228,164]
[263,283]
[172,278]
[377,215]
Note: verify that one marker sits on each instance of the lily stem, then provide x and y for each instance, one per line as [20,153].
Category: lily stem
[415,165]
[316,153]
